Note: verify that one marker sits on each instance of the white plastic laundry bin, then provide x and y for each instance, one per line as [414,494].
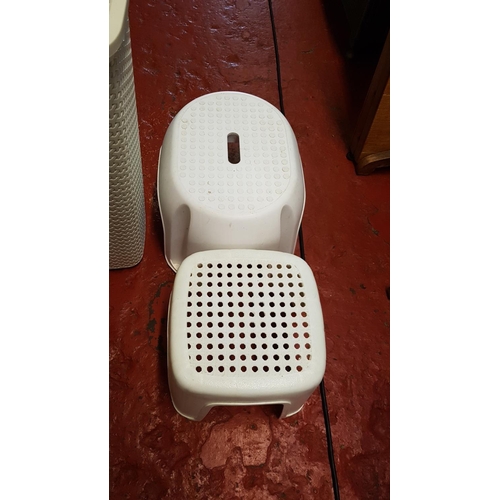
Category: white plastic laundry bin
[127,220]
[229,176]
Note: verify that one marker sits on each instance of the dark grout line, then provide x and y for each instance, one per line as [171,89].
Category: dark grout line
[277,57]
[329,440]
[301,243]
[324,402]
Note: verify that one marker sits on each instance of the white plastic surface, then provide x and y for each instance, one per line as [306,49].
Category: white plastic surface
[127,218]
[117,24]
[245,327]
[208,203]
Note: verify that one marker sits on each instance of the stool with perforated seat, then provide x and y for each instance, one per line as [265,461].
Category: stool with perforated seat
[245,327]
[229,176]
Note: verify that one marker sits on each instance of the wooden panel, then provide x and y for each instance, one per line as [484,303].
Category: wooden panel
[368,22]
[371,139]
[378,138]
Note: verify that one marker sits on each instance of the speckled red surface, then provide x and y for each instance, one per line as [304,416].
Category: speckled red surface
[183,50]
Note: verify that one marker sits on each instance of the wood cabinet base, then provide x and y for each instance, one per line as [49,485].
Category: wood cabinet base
[370,144]
[369,163]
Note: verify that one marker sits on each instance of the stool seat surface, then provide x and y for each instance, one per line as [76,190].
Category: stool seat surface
[263,173]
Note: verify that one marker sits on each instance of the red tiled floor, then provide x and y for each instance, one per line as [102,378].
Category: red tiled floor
[182,52]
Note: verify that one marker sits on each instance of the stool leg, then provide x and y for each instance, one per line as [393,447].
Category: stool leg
[292,408]
[189,407]
[202,413]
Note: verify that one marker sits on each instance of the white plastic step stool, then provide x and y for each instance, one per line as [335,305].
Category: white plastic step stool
[229,176]
[245,327]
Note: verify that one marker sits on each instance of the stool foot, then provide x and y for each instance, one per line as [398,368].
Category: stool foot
[292,408]
[193,411]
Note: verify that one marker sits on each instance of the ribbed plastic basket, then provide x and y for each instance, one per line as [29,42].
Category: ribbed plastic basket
[127,220]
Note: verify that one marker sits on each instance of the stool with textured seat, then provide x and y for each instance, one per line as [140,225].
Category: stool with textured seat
[229,176]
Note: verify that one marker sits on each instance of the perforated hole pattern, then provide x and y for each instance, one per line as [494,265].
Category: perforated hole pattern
[127,219]
[247,317]
[263,172]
